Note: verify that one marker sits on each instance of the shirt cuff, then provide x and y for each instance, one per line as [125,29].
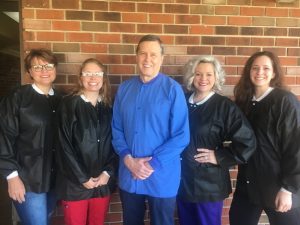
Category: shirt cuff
[124,153]
[155,164]
[106,173]
[286,191]
[12,175]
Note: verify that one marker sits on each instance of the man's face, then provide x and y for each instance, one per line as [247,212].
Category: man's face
[149,60]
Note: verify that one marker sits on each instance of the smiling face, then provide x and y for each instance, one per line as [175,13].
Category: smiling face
[149,60]
[43,78]
[204,79]
[261,73]
[91,83]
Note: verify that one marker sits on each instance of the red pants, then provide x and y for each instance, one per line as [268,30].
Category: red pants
[86,212]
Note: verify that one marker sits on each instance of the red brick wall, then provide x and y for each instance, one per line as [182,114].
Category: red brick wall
[109,30]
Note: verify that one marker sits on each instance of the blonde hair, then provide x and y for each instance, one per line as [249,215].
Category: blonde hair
[190,67]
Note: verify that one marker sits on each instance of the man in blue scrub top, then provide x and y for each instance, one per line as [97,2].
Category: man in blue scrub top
[150,130]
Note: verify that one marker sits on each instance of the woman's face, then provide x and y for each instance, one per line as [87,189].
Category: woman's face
[91,78]
[262,72]
[204,78]
[42,72]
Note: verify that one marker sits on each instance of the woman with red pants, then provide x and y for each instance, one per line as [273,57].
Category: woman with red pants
[87,162]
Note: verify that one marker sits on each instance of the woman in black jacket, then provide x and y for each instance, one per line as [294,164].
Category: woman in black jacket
[87,162]
[27,131]
[271,179]
[220,138]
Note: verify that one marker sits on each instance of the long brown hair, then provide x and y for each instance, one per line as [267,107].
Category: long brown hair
[105,90]
[244,89]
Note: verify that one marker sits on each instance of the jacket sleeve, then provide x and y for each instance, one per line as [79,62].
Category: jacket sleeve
[288,130]
[119,141]
[179,135]
[240,139]
[111,166]
[111,162]
[9,131]
[67,157]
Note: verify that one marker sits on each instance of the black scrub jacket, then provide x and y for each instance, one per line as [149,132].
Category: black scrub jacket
[27,133]
[211,124]
[85,149]
[276,162]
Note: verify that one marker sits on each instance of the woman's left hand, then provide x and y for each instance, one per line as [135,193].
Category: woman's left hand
[206,156]
[283,201]
[102,179]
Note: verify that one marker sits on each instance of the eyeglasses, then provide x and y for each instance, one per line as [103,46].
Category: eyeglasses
[90,74]
[39,68]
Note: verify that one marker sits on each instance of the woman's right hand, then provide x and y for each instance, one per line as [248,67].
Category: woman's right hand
[283,201]
[16,189]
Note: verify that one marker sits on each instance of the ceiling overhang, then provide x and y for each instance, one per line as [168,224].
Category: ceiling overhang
[9,28]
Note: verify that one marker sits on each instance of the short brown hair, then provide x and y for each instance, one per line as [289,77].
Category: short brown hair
[41,53]
[150,37]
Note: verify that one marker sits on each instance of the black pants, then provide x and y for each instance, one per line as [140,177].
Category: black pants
[161,209]
[243,212]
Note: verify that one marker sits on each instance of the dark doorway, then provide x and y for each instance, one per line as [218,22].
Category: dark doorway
[10,74]
[10,77]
